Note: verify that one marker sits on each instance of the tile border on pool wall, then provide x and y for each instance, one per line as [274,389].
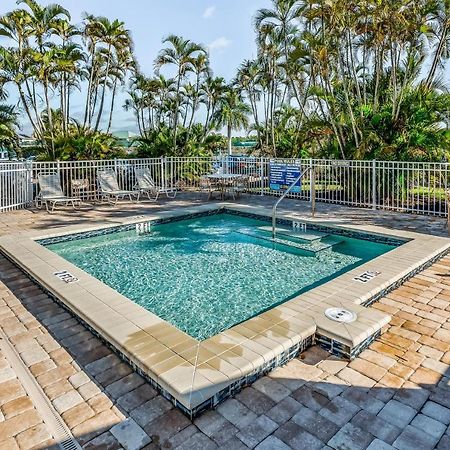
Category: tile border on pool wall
[381,239]
[405,278]
[121,228]
[300,318]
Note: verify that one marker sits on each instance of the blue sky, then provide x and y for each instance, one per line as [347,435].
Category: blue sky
[225,26]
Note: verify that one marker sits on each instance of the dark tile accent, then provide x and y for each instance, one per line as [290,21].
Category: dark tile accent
[280,221]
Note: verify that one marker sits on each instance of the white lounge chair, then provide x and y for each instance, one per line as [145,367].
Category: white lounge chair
[109,187]
[146,185]
[51,193]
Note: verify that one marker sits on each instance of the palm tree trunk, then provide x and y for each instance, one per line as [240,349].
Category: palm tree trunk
[102,98]
[272,116]
[378,70]
[136,111]
[27,109]
[68,104]
[33,104]
[87,107]
[61,100]
[94,101]
[112,105]
[229,130]
[347,100]
[194,103]
[177,105]
[208,110]
[50,120]
[437,56]
[266,114]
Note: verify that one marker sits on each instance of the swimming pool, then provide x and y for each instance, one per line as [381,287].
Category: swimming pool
[207,274]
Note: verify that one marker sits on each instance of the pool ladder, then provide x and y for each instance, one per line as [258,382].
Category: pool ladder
[289,189]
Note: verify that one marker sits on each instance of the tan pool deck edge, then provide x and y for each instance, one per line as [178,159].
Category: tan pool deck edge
[193,372]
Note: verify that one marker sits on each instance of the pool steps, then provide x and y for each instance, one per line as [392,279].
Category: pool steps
[309,242]
[301,235]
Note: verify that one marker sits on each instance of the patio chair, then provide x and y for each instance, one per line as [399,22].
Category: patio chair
[51,193]
[209,186]
[146,185]
[238,186]
[109,187]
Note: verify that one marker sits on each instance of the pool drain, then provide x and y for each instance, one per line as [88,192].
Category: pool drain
[340,315]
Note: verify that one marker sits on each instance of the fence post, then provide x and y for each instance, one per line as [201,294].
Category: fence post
[261,176]
[313,190]
[312,182]
[374,184]
[163,168]
[29,181]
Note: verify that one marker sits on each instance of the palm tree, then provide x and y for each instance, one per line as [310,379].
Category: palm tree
[200,67]
[231,113]
[122,64]
[70,57]
[115,37]
[180,53]
[91,39]
[213,89]
[11,66]
[280,21]
[247,80]
[441,31]
[43,20]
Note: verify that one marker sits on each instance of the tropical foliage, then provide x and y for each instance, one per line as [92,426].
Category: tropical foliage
[48,59]
[167,109]
[8,127]
[8,123]
[355,79]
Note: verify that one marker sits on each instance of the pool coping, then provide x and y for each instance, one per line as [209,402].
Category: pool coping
[194,375]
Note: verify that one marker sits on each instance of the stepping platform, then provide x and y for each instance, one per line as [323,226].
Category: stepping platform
[309,236]
[313,245]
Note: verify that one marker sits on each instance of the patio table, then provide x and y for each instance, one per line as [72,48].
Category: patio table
[224,180]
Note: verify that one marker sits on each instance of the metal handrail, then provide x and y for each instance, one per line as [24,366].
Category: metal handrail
[313,197]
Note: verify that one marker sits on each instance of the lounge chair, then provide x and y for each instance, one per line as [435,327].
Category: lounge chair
[146,185]
[51,193]
[109,187]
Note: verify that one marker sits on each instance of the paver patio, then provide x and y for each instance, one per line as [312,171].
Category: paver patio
[396,394]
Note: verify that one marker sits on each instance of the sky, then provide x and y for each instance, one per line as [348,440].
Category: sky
[224,26]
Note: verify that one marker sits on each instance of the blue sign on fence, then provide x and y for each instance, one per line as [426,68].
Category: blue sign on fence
[283,175]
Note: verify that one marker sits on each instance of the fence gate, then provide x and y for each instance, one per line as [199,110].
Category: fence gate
[16,187]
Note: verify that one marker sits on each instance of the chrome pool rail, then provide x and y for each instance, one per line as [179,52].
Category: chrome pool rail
[286,192]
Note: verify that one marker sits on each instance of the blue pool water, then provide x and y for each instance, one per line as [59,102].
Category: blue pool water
[207,274]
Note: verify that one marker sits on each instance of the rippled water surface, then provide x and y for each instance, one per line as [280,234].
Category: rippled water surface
[203,276]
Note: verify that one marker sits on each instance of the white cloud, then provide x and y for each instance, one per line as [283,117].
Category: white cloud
[219,44]
[209,12]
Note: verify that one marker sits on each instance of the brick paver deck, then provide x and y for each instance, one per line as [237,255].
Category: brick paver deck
[395,395]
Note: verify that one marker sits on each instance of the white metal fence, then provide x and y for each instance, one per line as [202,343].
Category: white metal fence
[413,187]
[16,187]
